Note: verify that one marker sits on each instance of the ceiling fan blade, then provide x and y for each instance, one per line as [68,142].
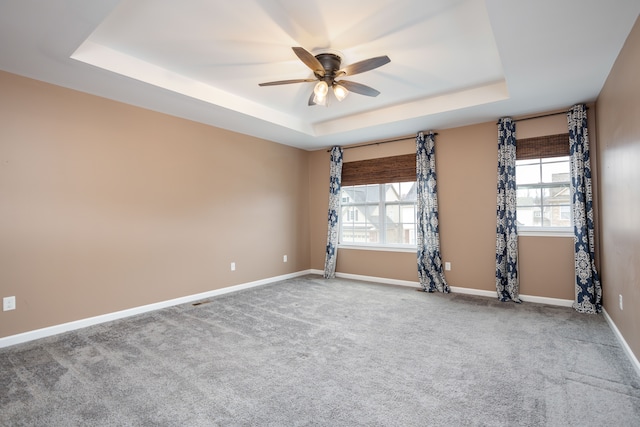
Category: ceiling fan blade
[366,65]
[309,60]
[358,88]
[286,82]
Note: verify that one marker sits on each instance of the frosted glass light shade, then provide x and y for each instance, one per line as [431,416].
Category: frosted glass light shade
[321,89]
[340,92]
[320,100]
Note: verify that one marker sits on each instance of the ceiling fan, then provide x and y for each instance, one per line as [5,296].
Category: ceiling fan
[326,68]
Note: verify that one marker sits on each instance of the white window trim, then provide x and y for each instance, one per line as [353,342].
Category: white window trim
[545,231]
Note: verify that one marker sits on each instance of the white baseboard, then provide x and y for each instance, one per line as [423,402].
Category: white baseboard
[470,291]
[526,298]
[83,323]
[371,279]
[454,289]
[632,357]
[378,280]
[546,300]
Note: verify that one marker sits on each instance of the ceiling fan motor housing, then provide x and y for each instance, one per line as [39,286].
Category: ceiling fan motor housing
[331,64]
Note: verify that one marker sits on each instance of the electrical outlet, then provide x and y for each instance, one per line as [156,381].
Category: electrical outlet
[620,297]
[233,266]
[284,258]
[8,303]
[447,266]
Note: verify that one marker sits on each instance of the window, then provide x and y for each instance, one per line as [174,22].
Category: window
[379,214]
[378,202]
[543,184]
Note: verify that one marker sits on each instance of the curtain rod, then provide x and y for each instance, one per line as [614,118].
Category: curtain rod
[412,136]
[540,116]
[382,142]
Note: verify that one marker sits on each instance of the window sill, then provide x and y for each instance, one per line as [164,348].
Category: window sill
[545,233]
[381,248]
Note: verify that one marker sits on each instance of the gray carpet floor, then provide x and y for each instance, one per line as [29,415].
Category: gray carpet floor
[310,351]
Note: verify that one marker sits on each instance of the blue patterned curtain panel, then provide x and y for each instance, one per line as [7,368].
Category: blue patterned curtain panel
[507,281]
[588,288]
[428,234]
[334,208]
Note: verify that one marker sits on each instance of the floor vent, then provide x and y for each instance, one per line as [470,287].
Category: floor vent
[200,303]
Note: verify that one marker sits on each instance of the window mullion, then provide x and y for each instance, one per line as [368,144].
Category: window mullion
[383,215]
[541,193]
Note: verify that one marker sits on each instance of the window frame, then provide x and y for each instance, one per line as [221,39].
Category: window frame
[542,230]
[381,204]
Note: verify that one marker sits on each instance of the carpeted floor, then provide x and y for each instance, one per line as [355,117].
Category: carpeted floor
[309,351]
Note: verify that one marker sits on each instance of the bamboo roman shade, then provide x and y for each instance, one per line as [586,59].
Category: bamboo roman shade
[380,171]
[542,147]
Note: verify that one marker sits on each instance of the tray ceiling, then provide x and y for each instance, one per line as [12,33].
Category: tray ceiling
[452,62]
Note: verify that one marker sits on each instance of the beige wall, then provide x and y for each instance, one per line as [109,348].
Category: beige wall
[105,206]
[466,167]
[618,115]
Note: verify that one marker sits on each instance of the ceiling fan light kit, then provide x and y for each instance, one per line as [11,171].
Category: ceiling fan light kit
[326,69]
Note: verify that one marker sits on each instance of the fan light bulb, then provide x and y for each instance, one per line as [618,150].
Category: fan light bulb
[321,89]
[340,92]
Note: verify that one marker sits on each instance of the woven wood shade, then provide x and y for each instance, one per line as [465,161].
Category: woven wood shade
[543,146]
[380,171]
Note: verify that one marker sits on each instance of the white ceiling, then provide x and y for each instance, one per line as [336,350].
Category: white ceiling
[453,62]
